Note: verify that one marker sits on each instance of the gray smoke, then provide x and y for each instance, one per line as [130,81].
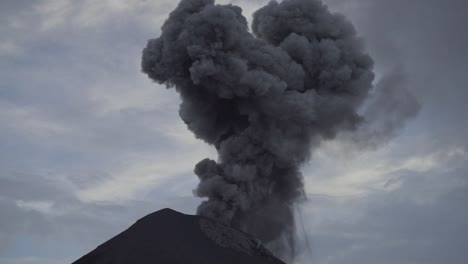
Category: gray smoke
[264,100]
[389,108]
[386,111]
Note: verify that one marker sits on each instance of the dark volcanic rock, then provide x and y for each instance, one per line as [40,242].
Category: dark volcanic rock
[169,237]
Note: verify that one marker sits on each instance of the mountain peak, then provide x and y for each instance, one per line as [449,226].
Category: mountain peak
[170,237]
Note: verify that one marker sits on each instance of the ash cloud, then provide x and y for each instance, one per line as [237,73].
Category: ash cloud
[264,100]
[385,113]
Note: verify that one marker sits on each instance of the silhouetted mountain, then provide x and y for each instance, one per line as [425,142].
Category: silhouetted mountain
[169,237]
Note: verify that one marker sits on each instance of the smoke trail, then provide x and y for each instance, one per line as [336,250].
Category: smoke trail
[263,101]
[386,112]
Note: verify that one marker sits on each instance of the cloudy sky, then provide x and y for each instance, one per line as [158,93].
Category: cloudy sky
[88,144]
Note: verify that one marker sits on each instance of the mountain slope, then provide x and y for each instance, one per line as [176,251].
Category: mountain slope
[169,237]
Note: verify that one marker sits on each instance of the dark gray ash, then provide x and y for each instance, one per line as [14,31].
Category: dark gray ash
[264,100]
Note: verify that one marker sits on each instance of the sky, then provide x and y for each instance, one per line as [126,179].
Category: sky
[88,144]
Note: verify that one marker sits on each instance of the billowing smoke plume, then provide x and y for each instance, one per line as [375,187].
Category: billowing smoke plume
[264,100]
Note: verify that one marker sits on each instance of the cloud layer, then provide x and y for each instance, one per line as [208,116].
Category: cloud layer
[79,121]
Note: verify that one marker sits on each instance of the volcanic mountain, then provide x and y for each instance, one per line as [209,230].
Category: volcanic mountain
[170,237]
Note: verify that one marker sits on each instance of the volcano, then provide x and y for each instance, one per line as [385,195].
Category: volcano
[170,237]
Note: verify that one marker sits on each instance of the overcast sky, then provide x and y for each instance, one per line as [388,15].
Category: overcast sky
[88,144]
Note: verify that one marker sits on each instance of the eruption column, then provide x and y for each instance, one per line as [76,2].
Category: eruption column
[264,100]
